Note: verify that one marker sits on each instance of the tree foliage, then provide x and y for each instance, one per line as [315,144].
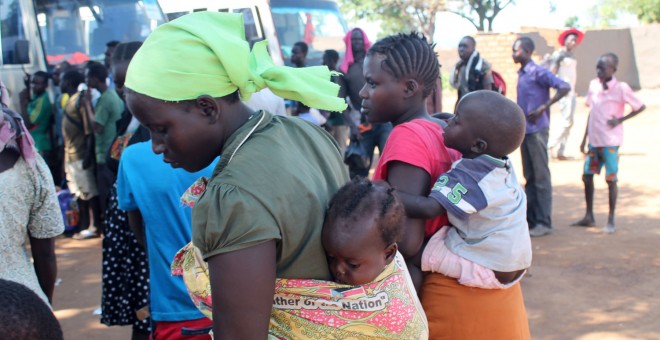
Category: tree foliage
[572,21]
[420,15]
[607,11]
[396,15]
[478,12]
[647,11]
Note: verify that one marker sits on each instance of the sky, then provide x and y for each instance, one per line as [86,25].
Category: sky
[450,27]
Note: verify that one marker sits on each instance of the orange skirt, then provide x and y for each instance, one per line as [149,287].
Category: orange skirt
[455,311]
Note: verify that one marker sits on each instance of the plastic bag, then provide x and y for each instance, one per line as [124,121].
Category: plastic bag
[356,156]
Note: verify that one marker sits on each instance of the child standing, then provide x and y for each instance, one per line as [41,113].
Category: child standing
[401,72]
[488,245]
[607,98]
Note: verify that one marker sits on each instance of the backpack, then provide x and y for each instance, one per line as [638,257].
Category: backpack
[499,85]
[477,76]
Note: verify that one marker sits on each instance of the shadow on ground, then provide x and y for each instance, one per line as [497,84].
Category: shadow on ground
[583,283]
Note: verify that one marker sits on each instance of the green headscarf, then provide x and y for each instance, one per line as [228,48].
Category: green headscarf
[206,53]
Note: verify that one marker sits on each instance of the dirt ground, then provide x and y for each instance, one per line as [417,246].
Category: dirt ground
[584,284]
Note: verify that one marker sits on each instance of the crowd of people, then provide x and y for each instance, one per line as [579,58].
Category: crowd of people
[143,136]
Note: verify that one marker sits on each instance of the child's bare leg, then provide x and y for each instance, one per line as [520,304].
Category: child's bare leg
[416,275]
[588,219]
[613,191]
[508,277]
[414,265]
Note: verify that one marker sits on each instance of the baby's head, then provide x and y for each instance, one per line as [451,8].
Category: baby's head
[25,315]
[361,231]
[486,122]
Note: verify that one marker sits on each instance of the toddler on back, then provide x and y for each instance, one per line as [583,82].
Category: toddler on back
[361,231]
[488,244]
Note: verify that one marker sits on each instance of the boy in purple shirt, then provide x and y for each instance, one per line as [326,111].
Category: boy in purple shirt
[607,98]
[534,83]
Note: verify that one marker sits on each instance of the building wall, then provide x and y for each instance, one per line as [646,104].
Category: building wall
[637,49]
[595,43]
[497,49]
[647,56]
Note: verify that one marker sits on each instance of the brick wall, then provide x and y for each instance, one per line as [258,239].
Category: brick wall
[496,48]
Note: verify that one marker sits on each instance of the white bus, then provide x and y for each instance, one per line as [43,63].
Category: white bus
[283,22]
[38,34]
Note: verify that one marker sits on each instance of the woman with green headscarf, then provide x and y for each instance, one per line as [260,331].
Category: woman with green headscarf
[261,214]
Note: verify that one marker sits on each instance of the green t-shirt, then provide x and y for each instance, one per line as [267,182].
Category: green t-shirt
[39,111]
[277,186]
[107,112]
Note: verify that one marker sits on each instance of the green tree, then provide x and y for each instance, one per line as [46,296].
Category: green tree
[647,11]
[573,21]
[396,15]
[478,12]
[606,11]
[420,15]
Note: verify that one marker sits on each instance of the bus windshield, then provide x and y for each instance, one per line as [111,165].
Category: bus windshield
[317,23]
[76,31]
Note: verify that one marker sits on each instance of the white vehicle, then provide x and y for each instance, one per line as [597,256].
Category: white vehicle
[282,22]
[35,35]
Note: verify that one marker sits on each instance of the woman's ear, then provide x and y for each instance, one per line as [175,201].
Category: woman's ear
[411,87]
[479,146]
[209,107]
[390,252]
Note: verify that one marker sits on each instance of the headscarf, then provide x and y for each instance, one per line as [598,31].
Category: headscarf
[14,134]
[206,53]
[348,56]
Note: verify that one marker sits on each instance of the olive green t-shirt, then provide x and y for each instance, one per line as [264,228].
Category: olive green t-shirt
[39,111]
[275,186]
[107,112]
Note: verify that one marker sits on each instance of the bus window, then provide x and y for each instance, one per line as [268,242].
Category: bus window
[77,31]
[320,28]
[11,29]
[252,32]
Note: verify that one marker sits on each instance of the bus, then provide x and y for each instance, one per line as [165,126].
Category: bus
[38,34]
[319,23]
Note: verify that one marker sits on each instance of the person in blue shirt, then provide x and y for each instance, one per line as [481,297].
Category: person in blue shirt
[534,83]
[149,190]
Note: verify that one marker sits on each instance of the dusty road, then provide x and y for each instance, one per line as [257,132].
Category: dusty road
[583,284]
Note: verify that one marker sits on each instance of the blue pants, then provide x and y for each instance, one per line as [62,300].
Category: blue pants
[538,187]
[376,137]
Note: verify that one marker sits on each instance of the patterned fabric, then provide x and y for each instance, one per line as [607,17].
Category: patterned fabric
[125,271]
[29,206]
[194,192]
[387,308]
[13,133]
[597,157]
[119,145]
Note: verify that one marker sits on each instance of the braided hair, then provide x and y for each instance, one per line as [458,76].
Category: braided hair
[409,55]
[360,197]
